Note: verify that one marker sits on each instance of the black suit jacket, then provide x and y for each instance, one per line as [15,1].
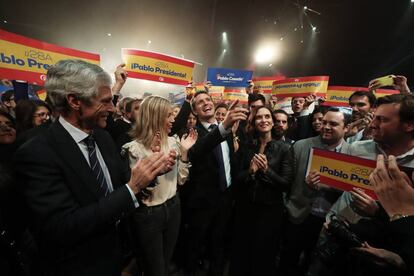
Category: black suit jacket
[74,225]
[204,188]
[120,133]
[181,119]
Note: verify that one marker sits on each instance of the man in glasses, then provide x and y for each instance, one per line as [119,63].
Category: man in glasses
[7,98]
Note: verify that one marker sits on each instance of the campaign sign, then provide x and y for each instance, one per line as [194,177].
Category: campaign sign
[339,95]
[5,88]
[157,67]
[264,85]
[300,87]
[235,93]
[217,93]
[229,77]
[200,87]
[27,59]
[342,171]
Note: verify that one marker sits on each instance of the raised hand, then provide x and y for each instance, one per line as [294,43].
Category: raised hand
[363,202]
[156,143]
[188,140]
[121,76]
[313,179]
[261,162]
[310,99]
[380,256]
[393,187]
[253,166]
[234,114]
[400,83]
[145,171]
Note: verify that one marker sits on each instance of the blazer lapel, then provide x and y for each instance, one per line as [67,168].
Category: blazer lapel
[202,131]
[72,156]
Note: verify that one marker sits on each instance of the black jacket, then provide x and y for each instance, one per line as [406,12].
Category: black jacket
[203,188]
[265,188]
[75,226]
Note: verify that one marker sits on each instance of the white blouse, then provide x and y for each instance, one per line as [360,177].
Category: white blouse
[167,183]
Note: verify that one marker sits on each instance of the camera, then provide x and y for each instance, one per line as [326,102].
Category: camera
[339,240]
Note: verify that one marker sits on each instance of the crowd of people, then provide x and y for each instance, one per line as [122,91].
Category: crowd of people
[94,183]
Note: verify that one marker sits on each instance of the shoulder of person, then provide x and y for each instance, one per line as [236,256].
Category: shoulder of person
[278,145]
[135,149]
[346,147]
[173,141]
[308,142]
[362,146]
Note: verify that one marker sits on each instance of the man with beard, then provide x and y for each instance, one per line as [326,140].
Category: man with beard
[308,201]
[392,133]
[281,125]
[362,104]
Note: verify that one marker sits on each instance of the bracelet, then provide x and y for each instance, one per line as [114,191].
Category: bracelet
[397,216]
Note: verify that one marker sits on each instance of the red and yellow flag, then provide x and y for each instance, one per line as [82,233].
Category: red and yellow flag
[342,171]
[27,59]
[301,87]
[339,95]
[264,85]
[157,67]
[235,93]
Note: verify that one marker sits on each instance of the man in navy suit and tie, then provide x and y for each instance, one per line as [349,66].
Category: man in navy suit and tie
[75,185]
[209,194]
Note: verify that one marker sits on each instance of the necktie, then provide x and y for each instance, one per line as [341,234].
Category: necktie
[95,166]
[219,155]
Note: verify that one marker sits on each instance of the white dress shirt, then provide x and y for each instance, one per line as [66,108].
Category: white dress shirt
[79,135]
[224,148]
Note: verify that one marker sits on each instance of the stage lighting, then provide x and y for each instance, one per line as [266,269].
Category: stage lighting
[266,54]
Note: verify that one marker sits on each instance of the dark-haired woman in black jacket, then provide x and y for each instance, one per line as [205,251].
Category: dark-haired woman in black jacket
[265,173]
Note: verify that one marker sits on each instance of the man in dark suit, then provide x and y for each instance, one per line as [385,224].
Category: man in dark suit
[123,126]
[209,190]
[75,185]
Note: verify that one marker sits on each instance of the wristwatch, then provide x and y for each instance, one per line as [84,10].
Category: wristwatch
[397,216]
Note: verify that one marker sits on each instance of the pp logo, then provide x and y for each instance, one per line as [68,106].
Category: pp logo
[162,65]
[43,77]
[161,78]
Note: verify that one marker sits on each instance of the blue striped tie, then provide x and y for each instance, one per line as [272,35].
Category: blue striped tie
[95,166]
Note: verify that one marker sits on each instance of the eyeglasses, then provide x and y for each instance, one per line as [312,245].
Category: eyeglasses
[42,114]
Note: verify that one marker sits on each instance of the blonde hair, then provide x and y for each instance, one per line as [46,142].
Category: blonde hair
[152,114]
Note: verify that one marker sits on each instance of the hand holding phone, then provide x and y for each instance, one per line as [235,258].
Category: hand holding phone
[381,82]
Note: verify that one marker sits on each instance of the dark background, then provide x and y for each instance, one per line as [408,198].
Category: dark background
[355,40]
